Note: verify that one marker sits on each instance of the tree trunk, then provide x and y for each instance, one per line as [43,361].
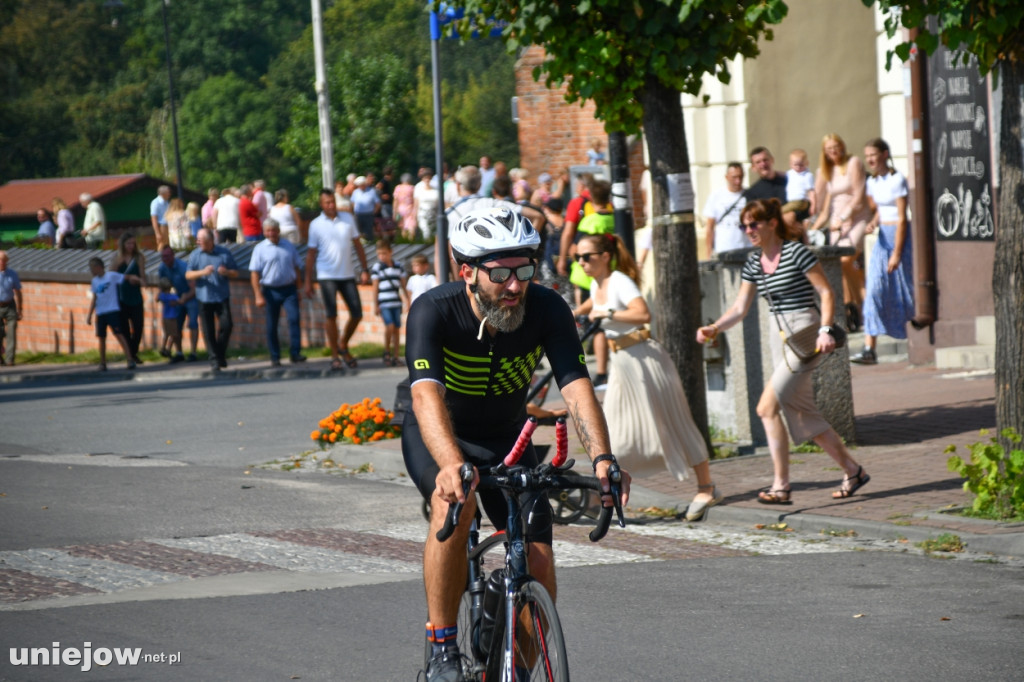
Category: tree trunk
[1008,269]
[677,306]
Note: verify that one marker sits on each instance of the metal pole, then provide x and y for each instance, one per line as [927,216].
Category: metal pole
[323,105]
[441,243]
[170,85]
[622,194]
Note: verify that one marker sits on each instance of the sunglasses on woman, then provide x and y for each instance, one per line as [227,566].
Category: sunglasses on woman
[499,275]
[585,257]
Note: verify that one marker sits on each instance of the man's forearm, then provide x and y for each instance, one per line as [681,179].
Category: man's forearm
[588,417]
[435,423]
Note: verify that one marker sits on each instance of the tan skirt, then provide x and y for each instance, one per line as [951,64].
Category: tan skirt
[648,415]
[792,381]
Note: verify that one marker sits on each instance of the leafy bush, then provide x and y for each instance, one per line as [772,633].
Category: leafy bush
[994,477]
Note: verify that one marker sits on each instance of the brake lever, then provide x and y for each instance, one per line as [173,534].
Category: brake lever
[455,510]
[615,485]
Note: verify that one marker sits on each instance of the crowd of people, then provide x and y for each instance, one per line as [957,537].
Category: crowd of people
[845,200]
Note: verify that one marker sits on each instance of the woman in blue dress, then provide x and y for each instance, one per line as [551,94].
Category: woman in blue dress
[889,300]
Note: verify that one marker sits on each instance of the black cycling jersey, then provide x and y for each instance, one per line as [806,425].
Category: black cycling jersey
[487,380]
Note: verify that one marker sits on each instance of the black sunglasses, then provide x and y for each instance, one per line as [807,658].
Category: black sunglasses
[750,226]
[585,257]
[499,275]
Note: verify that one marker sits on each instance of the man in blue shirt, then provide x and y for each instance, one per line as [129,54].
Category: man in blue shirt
[174,269]
[274,270]
[211,267]
[11,309]
[158,215]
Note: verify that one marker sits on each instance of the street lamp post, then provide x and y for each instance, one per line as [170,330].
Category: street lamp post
[170,85]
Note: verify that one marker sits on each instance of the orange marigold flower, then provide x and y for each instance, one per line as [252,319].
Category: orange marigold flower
[350,431]
[357,441]
[333,437]
[315,435]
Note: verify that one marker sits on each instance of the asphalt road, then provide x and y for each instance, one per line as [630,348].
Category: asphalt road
[664,602]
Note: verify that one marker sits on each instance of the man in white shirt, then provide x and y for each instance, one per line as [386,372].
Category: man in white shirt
[333,237]
[722,214]
[158,215]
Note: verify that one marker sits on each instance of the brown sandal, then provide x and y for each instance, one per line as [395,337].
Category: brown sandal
[770,496]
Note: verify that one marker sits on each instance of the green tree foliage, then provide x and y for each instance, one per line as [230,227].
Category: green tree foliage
[993,31]
[606,51]
[83,88]
[371,108]
[226,127]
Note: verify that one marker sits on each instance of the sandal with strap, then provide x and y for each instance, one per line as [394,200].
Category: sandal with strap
[349,359]
[387,358]
[779,496]
[861,478]
[336,365]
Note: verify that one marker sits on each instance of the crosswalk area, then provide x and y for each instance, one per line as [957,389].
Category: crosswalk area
[284,560]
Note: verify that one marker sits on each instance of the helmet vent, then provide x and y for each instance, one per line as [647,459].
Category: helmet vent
[482,231]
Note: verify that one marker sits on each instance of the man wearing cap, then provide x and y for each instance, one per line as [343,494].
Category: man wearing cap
[365,205]
[10,309]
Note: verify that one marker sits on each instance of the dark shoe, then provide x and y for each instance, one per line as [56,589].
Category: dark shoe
[214,367]
[348,358]
[445,667]
[102,368]
[275,363]
[865,357]
[222,363]
[852,317]
[164,352]
[774,497]
[136,360]
[297,359]
[131,365]
[176,359]
[851,484]
[192,357]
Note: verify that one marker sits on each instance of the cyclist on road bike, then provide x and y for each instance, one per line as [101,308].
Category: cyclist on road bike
[473,347]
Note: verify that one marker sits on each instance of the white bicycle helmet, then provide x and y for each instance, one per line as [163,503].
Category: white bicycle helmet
[488,231]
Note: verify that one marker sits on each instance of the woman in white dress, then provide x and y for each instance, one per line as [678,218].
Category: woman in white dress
[648,415]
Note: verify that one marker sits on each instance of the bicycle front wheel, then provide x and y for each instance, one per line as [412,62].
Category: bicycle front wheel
[538,646]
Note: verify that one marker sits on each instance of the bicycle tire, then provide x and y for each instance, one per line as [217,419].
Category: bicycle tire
[569,506]
[543,656]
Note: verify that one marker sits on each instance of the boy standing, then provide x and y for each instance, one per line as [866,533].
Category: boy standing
[172,330]
[107,307]
[800,185]
[388,298]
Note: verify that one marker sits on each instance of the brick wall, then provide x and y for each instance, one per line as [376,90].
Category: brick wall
[55,312]
[554,134]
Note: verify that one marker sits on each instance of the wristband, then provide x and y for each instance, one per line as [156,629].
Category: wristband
[603,458]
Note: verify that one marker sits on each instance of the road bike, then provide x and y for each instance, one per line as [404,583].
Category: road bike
[508,626]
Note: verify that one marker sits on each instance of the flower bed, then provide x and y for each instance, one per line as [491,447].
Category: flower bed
[362,422]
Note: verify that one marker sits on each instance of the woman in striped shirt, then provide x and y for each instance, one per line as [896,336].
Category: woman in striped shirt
[787,270]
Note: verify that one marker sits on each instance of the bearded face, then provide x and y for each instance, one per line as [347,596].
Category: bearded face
[500,311]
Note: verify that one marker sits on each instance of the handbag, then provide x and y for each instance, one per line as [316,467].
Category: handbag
[804,341]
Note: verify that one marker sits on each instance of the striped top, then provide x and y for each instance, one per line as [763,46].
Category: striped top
[789,286]
[389,278]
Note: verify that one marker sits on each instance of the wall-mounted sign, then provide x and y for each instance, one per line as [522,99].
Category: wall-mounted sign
[961,167]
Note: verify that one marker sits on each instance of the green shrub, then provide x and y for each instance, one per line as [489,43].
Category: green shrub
[994,477]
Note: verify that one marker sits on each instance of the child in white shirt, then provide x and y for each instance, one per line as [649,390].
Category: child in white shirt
[800,183]
[422,279]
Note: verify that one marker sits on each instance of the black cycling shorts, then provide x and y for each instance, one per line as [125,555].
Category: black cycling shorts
[423,471]
[329,290]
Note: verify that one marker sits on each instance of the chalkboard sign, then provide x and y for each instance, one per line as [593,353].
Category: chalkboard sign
[961,167]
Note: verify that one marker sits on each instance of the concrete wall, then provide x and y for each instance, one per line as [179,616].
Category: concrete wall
[818,76]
